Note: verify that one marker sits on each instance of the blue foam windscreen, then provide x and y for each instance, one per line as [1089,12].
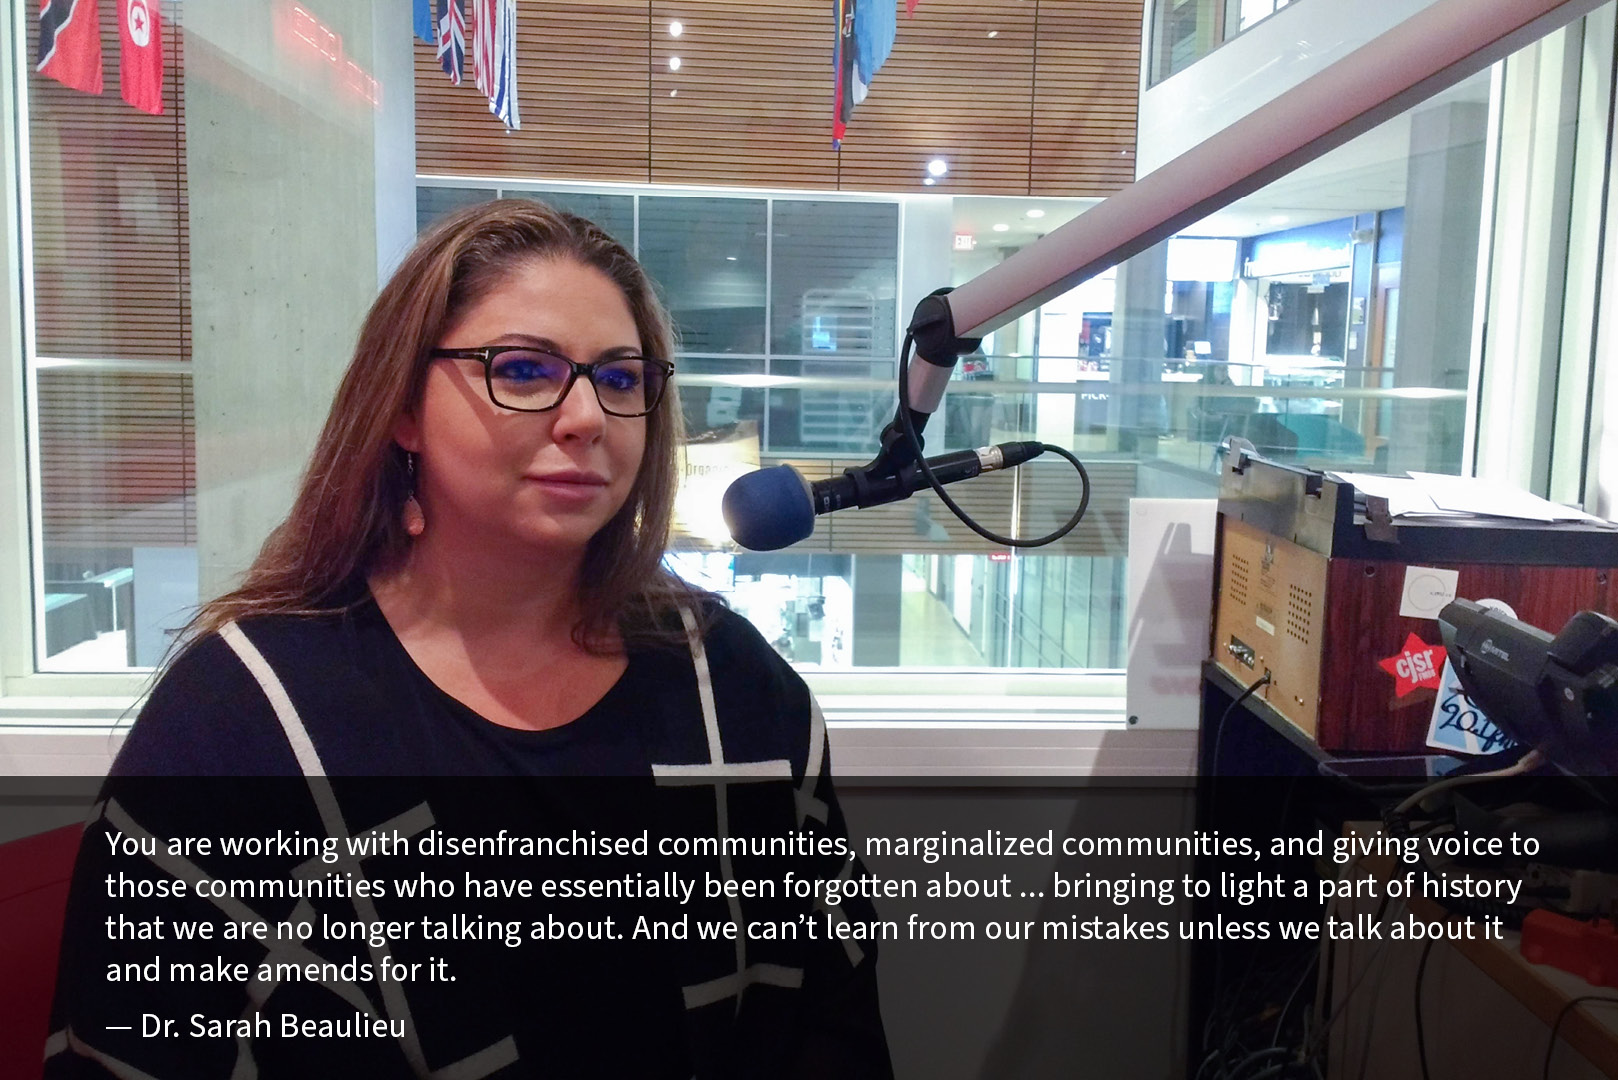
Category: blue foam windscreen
[769,509]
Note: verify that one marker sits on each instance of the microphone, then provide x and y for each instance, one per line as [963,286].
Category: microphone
[773,508]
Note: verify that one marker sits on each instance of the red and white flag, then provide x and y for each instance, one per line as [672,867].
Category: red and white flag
[140,54]
[70,43]
[483,33]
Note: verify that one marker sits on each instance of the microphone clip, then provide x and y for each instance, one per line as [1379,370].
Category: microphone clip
[896,453]
[932,332]
[932,327]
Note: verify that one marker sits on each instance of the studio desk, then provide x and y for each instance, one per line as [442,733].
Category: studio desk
[1321,589]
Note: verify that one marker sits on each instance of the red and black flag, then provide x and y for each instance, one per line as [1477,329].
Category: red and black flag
[848,92]
[70,43]
[140,55]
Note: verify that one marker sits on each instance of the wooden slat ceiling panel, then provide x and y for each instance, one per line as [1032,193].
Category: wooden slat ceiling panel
[117,458]
[1084,125]
[1046,105]
[951,91]
[753,90]
[110,232]
[581,93]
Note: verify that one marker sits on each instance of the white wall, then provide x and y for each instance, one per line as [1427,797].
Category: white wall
[1253,69]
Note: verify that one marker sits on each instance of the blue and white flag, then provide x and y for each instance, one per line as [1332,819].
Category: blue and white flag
[494,56]
[451,39]
[875,29]
[422,12]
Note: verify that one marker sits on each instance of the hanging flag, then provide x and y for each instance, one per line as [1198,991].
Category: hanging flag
[503,98]
[875,28]
[140,55]
[451,39]
[842,62]
[483,18]
[866,30]
[910,7]
[422,17]
[70,43]
[494,56]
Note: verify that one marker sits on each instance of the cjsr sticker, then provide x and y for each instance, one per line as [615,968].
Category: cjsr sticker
[1418,664]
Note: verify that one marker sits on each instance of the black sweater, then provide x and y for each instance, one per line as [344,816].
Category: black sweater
[280,727]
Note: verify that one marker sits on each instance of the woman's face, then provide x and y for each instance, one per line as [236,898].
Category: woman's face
[548,480]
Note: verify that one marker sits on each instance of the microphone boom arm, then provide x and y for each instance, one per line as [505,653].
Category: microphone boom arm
[1433,49]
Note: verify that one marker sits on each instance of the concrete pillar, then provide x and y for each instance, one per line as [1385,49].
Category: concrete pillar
[1135,410]
[297,177]
[878,581]
[1438,281]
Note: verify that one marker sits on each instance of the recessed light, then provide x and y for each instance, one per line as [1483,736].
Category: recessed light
[937,167]
[730,258]
[1279,219]
[929,181]
[1036,212]
[674,93]
[674,63]
[1001,226]
[994,33]
[676,29]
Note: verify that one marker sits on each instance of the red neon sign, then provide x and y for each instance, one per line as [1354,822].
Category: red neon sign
[328,45]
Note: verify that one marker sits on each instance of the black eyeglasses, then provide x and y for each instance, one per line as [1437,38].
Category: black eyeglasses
[525,379]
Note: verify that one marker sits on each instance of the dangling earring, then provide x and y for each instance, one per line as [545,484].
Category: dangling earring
[415,522]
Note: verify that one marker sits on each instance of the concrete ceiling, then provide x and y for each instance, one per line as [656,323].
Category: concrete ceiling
[1363,175]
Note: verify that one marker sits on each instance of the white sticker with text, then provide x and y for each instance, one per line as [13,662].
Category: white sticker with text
[1427,589]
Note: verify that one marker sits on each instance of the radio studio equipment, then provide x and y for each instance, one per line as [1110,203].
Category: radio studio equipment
[1317,587]
[772,508]
[1556,694]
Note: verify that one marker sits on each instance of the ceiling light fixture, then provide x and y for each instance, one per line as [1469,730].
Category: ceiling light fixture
[674,63]
[937,167]
[1001,226]
[676,29]
[928,180]
[994,33]
[1036,212]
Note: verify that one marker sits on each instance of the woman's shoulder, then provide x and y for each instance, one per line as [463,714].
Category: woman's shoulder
[212,708]
[732,641]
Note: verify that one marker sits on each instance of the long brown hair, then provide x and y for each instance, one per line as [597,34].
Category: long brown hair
[347,519]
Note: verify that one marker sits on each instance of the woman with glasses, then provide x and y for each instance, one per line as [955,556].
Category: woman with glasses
[469,584]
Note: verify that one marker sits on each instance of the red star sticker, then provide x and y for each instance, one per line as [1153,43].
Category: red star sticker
[1418,664]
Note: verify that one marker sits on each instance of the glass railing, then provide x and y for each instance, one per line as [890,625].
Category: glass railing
[1306,410]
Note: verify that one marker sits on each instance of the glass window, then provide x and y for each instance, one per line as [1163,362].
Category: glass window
[1184,31]
[707,256]
[835,278]
[1331,318]
[614,213]
[713,401]
[433,203]
[119,515]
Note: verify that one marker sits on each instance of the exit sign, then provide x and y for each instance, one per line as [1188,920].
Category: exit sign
[965,241]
